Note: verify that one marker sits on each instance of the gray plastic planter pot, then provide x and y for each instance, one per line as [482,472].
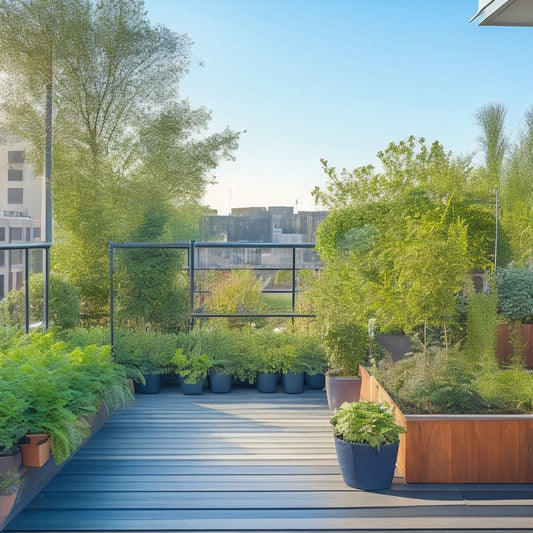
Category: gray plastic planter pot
[363,467]
[152,385]
[191,388]
[293,383]
[316,381]
[220,383]
[267,381]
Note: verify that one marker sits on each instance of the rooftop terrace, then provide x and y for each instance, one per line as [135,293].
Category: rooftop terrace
[245,461]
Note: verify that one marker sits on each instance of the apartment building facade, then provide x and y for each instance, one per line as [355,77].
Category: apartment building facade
[21,208]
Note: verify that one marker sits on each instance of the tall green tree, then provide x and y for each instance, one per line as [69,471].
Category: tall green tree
[398,245]
[123,139]
[492,139]
[517,198]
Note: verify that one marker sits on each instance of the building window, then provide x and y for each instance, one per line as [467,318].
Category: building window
[15,156]
[15,196]
[2,234]
[14,175]
[15,234]
[16,257]
[2,258]
[2,292]
[28,234]
[36,234]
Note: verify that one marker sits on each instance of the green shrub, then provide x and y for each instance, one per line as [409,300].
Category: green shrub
[515,293]
[346,345]
[63,303]
[149,351]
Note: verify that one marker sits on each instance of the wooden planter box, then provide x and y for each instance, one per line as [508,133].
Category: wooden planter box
[504,347]
[460,448]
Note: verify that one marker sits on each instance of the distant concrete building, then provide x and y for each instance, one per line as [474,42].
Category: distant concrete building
[260,224]
[20,214]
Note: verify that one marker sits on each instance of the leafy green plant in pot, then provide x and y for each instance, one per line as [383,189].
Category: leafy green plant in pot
[192,370]
[366,442]
[346,346]
[149,351]
[268,349]
[293,371]
[312,355]
[9,486]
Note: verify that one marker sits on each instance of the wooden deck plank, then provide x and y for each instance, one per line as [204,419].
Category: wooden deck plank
[245,462]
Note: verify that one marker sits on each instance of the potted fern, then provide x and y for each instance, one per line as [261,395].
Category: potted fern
[366,442]
[192,370]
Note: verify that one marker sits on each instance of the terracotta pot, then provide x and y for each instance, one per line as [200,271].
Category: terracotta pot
[6,504]
[37,451]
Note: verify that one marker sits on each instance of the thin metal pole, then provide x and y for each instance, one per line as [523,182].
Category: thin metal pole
[46,308]
[27,290]
[293,283]
[191,281]
[111,297]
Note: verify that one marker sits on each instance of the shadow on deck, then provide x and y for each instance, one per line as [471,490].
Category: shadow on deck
[245,461]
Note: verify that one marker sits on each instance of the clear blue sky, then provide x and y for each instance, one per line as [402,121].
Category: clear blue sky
[339,80]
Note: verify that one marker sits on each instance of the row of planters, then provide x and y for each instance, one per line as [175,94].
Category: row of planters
[219,357]
[225,357]
[51,396]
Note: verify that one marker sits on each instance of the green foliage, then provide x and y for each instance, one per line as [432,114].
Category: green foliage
[153,289]
[366,423]
[228,350]
[515,293]
[9,481]
[346,345]
[124,142]
[311,353]
[13,425]
[397,244]
[55,386]
[63,303]
[235,292]
[149,351]
[192,368]
[481,327]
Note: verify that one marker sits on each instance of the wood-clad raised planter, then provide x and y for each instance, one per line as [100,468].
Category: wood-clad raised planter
[504,347]
[460,448]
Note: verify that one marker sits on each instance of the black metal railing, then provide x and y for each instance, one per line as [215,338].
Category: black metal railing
[197,263]
[26,247]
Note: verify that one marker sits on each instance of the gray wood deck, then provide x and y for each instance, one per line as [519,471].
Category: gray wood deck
[245,461]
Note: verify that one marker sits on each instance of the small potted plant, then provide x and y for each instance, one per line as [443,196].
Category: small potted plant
[192,370]
[268,357]
[312,355]
[149,351]
[346,345]
[293,371]
[366,442]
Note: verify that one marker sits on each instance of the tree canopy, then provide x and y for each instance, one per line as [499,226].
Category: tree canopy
[398,243]
[124,141]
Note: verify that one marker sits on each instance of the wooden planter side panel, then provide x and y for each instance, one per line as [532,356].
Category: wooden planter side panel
[460,449]
[504,347]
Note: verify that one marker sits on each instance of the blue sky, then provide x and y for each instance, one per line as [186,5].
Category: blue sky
[340,80]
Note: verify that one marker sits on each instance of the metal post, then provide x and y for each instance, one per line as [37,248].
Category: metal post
[27,290]
[191,280]
[46,309]
[293,283]
[111,296]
